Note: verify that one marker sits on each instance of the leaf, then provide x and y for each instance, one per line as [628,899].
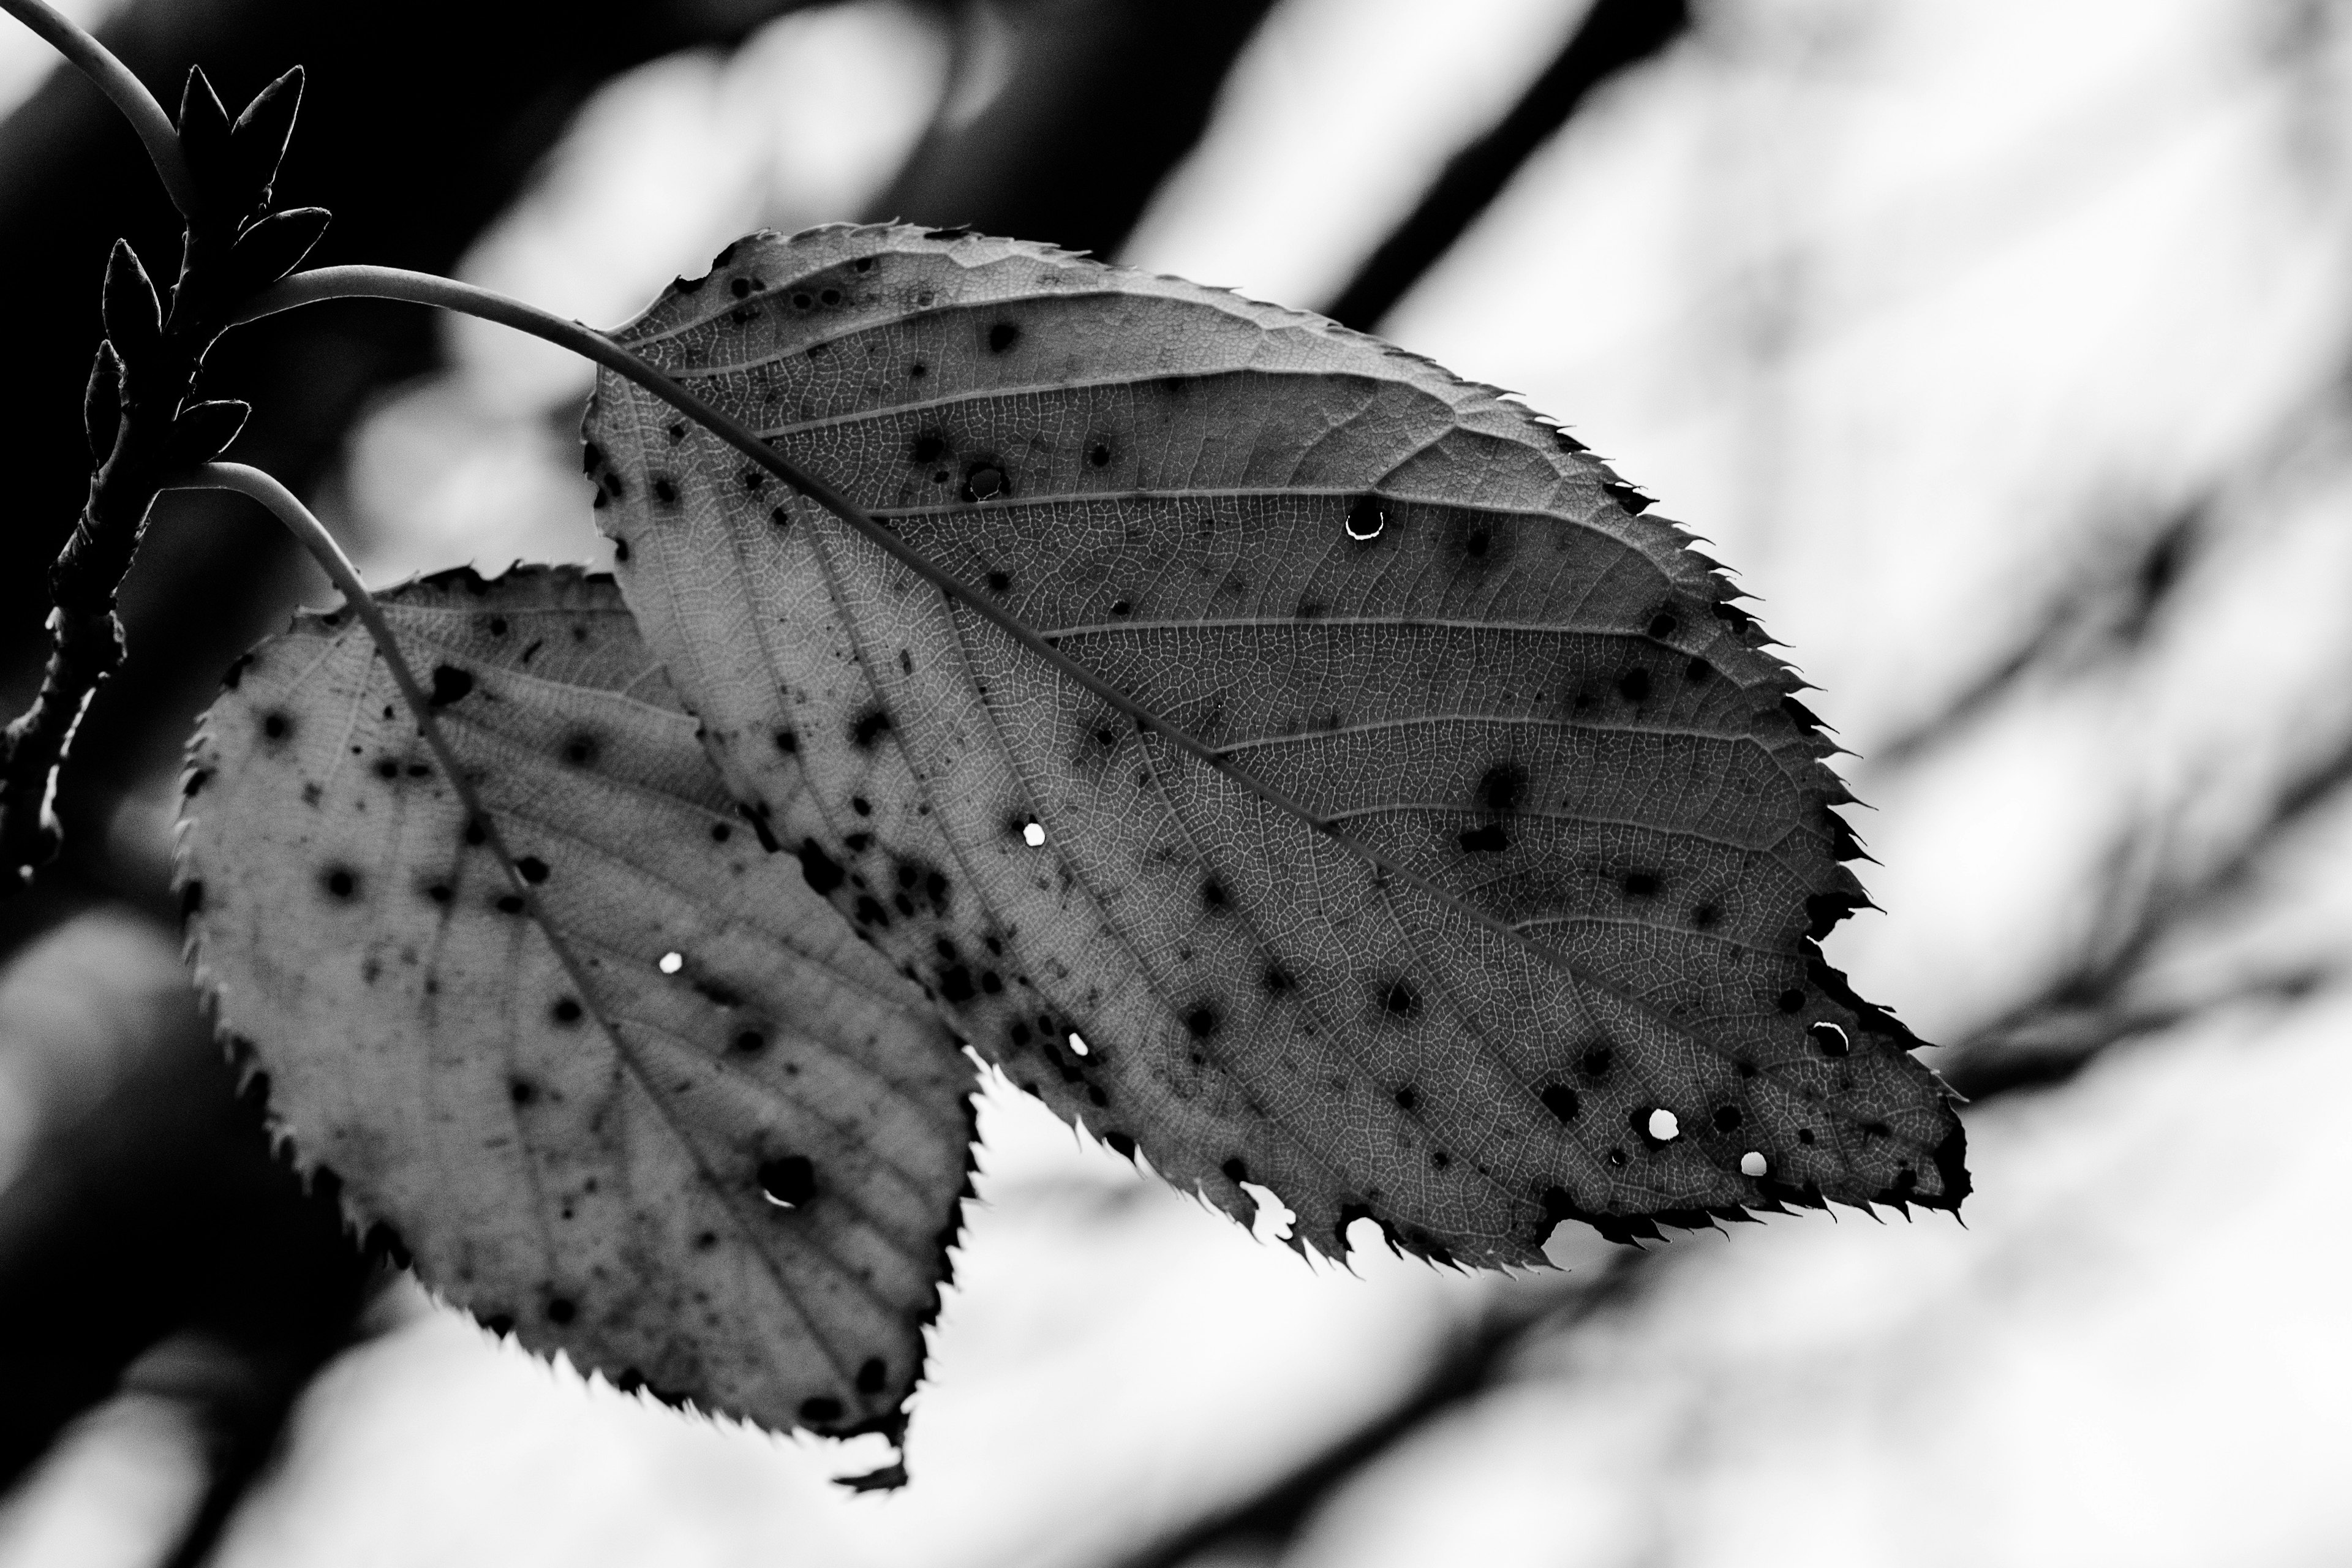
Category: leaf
[1448,850]
[568,1140]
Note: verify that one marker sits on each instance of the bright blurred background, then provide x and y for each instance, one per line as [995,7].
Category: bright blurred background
[2001,346]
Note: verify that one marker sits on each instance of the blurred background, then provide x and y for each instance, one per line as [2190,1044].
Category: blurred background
[2003,347]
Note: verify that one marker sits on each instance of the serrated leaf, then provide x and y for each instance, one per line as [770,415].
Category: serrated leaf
[572,1134]
[1450,852]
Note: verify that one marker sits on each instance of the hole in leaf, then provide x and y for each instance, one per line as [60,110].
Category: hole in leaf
[671,963]
[1664,1125]
[1366,519]
[1078,1043]
[1829,1039]
[1032,834]
[1752,1164]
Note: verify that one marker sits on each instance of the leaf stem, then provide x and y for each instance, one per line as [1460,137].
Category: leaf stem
[305,526]
[424,288]
[126,91]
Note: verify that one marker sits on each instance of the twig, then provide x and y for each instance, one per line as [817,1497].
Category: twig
[140,411]
[1475,1360]
[126,91]
[1613,36]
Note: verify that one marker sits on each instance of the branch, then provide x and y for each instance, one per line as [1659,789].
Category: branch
[125,90]
[1473,1360]
[1614,36]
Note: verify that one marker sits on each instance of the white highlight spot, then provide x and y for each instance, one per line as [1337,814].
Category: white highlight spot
[1752,1163]
[1664,1127]
[1077,1043]
[671,963]
[1033,836]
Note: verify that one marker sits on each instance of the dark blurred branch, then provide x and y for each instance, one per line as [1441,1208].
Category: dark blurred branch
[2151,894]
[1097,100]
[147,1200]
[2108,613]
[1476,1359]
[1614,36]
[423,122]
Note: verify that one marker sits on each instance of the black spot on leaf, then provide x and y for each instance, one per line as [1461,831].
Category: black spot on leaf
[1487,840]
[566,1011]
[1641,884]
[789,1179]
[533,870]
[821,870]
[1727,1118]
[340,882]
[1401,999]
[869,728]
[871,1376]
[1502,786]
[1002,336]
[1633,686]
[1561,1101]
[1201,1021]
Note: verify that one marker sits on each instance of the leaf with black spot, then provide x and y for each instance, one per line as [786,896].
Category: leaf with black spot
[1371,649]
[570,1142]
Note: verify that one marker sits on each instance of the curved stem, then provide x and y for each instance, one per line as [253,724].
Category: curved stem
[305,526]
[127,93]
[424,288]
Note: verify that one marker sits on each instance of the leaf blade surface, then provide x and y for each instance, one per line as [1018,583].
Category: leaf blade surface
[1450,823]
[584,1101]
